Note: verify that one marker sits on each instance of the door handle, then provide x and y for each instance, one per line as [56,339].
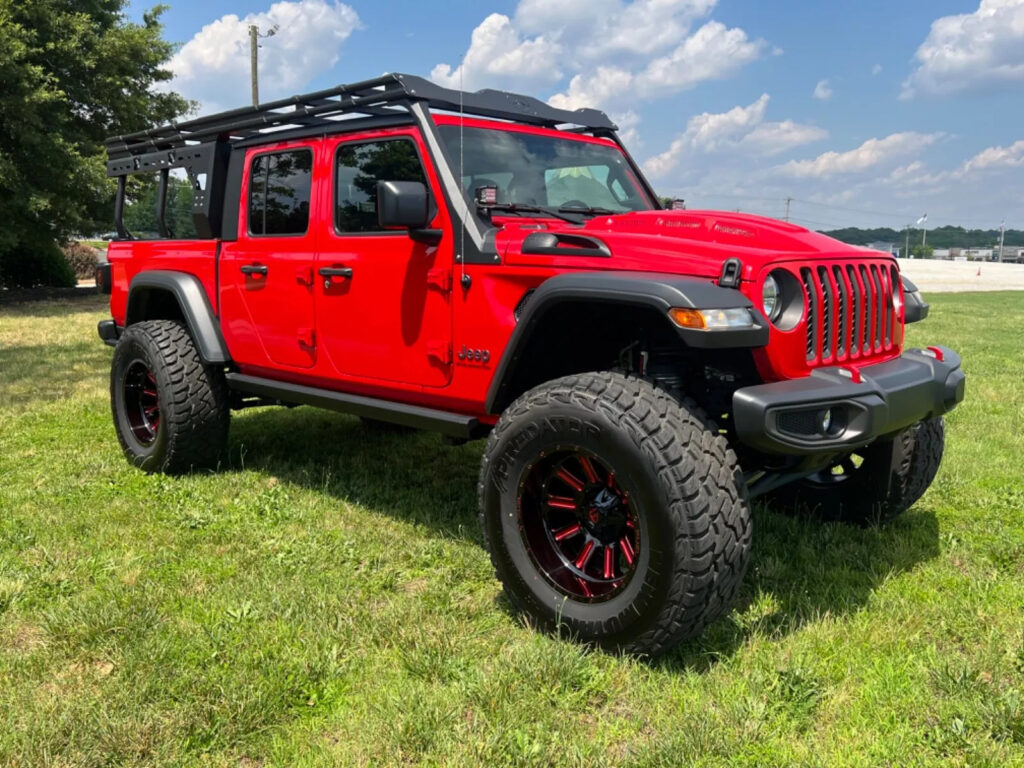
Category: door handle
[253,269]
[329,272]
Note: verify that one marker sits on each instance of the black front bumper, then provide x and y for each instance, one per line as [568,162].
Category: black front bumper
[789,417]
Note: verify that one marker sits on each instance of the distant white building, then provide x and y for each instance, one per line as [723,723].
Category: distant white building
[977,254]
[879,245]
[942,253]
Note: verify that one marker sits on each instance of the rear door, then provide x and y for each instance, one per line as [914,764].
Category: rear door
[266,276]
[383,309]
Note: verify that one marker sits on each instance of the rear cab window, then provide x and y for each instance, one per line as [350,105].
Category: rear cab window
[279,192]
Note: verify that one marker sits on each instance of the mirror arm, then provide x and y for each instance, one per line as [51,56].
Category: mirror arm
[426,236]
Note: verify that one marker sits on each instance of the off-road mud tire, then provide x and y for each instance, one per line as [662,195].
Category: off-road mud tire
[684,479]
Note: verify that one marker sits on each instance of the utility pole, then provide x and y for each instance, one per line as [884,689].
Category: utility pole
[1002,237]
[906,253]
[788,201]
[254,46]
[254,34]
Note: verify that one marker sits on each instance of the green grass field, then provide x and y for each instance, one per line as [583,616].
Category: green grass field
[326,600]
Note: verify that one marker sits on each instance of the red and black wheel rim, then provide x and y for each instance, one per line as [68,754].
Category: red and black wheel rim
[141,402]
[579,525]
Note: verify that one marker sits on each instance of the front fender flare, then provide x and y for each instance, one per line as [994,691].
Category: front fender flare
[655,291]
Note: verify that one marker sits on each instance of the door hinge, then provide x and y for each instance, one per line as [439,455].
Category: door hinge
[307,338]
[440,351]
[440,279]
[304,275]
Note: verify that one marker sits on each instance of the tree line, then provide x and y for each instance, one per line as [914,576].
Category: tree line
[939,237]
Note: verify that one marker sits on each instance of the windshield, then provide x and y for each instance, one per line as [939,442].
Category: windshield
[545,171]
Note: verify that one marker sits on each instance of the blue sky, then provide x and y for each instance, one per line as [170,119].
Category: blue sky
[865,113]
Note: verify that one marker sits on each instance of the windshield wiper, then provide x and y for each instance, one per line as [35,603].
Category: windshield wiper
[588,210]
[525,208]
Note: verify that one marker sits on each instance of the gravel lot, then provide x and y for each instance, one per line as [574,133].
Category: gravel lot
[957,276]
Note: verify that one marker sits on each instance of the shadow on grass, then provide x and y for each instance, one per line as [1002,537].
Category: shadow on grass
[51,302]
[801,570]
[48,372]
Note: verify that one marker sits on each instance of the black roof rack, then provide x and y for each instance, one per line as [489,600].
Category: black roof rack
[385,95]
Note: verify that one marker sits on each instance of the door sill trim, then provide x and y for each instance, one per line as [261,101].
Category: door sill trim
[416,416]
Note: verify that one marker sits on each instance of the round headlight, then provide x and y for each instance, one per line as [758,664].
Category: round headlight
[770,299]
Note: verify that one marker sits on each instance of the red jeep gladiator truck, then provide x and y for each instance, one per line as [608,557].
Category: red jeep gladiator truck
[485,265]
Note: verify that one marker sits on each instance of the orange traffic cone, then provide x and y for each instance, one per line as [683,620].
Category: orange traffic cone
[979,271]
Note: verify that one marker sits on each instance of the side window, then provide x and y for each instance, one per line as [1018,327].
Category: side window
[279,186]
[358,168]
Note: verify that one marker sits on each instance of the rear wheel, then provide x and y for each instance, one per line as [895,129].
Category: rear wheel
[170,411]
[615,511]
[872,485]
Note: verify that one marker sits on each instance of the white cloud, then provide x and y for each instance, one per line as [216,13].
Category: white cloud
[498,51]
[712,52]
[996,157]
[629,123]
[822,91]
[741,130]
[603,28]
[876,70]
[615,51]
[213,67]
[983,49]
[871,153]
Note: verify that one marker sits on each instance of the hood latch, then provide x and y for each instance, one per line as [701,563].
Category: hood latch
[730,277]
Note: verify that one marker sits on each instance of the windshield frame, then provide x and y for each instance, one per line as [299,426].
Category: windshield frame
[630,169]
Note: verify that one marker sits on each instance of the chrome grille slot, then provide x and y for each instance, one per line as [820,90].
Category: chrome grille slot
[856,335]
[827,315]
[842,308]
[812,314]
[876,304]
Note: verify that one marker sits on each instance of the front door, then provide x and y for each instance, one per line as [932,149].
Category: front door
[266,276]
[383,309]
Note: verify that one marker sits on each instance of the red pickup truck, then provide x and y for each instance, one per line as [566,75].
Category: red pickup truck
[485,265]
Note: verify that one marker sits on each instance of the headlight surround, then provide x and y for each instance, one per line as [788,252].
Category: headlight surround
[783,299]
[770,299]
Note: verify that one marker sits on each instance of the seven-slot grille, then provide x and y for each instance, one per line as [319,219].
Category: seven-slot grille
[851,312]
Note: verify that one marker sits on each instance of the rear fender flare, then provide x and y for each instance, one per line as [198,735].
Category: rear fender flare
[193,302]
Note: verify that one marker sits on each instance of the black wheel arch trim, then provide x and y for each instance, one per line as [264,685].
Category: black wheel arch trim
[656,291]
[195,307]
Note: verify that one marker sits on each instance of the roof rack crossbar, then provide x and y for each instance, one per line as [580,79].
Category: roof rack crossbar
[371,97]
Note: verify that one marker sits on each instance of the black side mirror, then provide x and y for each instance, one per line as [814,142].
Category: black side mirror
[402,204]
[406,204]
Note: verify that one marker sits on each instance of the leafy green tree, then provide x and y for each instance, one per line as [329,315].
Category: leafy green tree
[922,251]
[140,214]
[74,72]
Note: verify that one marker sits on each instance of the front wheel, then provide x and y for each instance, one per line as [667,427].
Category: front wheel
[875,484]
[615,511]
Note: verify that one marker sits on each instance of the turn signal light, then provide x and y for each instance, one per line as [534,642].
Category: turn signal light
[687,318]
[712,319]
